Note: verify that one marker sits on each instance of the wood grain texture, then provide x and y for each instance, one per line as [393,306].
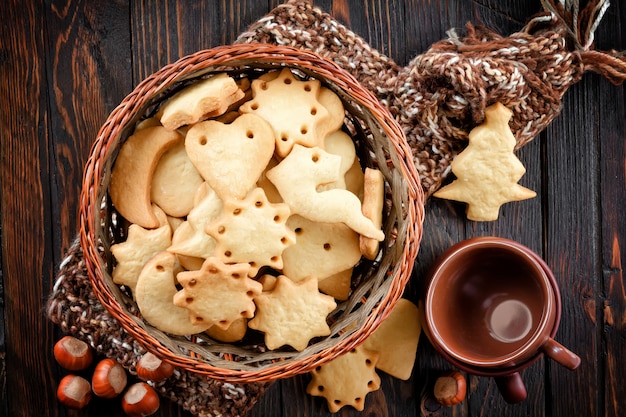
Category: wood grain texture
[612,152]
[64,65]
[26,221]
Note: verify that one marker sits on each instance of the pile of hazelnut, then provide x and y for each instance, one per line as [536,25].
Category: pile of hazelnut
[109,379]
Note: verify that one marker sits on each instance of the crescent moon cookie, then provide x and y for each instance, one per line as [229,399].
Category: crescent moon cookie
[316,167]
[155,291]
[131,178]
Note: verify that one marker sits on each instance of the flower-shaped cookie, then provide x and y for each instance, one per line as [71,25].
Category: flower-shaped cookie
[252,231]
[217,294]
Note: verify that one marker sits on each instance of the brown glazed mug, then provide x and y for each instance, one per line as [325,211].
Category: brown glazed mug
[491,308]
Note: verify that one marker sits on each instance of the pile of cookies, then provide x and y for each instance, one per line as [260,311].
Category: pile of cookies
[247,210]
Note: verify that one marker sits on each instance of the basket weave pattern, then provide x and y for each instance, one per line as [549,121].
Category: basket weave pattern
[380,143]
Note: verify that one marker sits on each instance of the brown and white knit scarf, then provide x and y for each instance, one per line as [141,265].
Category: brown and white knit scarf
[442,94]
[438,98]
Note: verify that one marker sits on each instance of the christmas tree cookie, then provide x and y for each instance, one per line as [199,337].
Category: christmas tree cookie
[487,170]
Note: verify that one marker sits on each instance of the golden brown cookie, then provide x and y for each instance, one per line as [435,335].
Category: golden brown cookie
[487,170]
[337,285]
[396,340]
[217,294]
[334,106]
[341,144]
[132,254]
[291,107]
[155,290]
[190,238]
[270,190]
[346,380]
[354,179]
[175,181]
[315,167]
[211,96]
[235,332]
[131,178]
[321,249]
[252,231]
[292,313]
[231,157]
[372,208]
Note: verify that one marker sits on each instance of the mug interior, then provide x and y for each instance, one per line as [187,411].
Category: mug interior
[487,303]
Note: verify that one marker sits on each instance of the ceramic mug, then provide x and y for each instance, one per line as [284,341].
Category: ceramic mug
[492,307]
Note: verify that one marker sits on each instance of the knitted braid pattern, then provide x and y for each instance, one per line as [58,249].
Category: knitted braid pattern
[298,24]
[442,94]
[74,307]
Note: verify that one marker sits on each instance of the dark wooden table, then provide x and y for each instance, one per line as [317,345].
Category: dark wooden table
[64,65]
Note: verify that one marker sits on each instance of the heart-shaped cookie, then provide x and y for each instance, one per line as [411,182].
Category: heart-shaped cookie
[231,157]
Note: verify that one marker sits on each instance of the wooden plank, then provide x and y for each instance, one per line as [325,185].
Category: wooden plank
[3,370]
[89,73]
[572,237]
[612,139]
[25,202]
[517,221]
[163,32]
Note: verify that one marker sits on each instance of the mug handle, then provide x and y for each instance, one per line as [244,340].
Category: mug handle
[511,388]
[560,354]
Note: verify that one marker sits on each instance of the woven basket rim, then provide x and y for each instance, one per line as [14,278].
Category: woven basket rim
[125,114]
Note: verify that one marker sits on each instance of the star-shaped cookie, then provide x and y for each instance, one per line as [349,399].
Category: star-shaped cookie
[346,380]
[217,294]
[252,231]
[132,254]
[291,106]
[292,313]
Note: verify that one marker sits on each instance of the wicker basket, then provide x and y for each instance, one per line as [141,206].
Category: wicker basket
[380,142]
